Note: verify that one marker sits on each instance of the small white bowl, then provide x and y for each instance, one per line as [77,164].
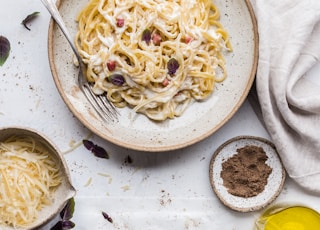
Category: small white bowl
[64,192]
[275,180]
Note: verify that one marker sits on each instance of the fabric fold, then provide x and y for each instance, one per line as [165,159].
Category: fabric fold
[289,46]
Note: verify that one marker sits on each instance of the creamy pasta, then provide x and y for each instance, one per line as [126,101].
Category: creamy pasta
[154,56]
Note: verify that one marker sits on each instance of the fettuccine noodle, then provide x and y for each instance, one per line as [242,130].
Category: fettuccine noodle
[154,56]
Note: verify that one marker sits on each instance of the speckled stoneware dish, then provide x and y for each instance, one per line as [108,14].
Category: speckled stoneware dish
[275,180]
[63,193]
[200,120]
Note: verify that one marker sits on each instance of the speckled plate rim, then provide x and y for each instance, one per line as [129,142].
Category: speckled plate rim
[199,121]
[275,181]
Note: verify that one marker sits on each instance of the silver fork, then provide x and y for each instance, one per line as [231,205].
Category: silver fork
[100,103]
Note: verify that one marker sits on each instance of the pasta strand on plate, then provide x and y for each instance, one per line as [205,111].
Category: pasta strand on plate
[154,56]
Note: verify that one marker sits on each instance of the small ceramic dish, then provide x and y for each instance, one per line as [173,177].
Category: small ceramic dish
[274,183]
[63,192]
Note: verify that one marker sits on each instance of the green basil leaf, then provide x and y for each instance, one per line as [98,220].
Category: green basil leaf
[146,36]
[67,212]
[4,49]
[28,19]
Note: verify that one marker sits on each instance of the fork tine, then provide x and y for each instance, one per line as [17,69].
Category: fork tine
[105,105]
[106,111]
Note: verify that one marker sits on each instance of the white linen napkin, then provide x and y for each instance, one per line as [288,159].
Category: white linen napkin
[289,46]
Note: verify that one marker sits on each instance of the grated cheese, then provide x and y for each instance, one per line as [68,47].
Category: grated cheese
[28,177]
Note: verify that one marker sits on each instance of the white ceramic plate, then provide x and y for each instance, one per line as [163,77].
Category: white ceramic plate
[275,180]
[200,120]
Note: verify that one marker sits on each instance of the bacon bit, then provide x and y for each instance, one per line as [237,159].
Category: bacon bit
[120,22]
[188,39]
[165,82]
[156,38]
[111,65]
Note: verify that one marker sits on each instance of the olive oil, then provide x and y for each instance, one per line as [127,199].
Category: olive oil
[289,218]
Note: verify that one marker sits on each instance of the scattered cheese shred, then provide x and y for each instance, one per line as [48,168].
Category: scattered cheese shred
[28,177]
[106,175]
[88,182]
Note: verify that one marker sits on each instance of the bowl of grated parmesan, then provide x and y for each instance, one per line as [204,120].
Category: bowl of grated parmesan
[35,182]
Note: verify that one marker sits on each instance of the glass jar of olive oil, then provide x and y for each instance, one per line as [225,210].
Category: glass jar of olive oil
[289,218]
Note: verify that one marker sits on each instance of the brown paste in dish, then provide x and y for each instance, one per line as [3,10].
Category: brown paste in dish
[246,173]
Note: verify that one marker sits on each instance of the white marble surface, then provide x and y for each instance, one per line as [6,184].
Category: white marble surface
[169,190]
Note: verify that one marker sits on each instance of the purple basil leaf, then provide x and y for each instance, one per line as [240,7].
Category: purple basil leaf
[4,49]
[28,19]
[107,217]
[116,79]
[95,149]
[172,66]
[88,144]
[146,36]
[100,152]
[57,226]
[68,210]
[67,224]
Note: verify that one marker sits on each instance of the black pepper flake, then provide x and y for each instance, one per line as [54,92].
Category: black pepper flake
[128,160]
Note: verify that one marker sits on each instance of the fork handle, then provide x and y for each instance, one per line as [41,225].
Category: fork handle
[53,10]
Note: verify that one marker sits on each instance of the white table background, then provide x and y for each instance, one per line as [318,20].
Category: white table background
[168,190]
